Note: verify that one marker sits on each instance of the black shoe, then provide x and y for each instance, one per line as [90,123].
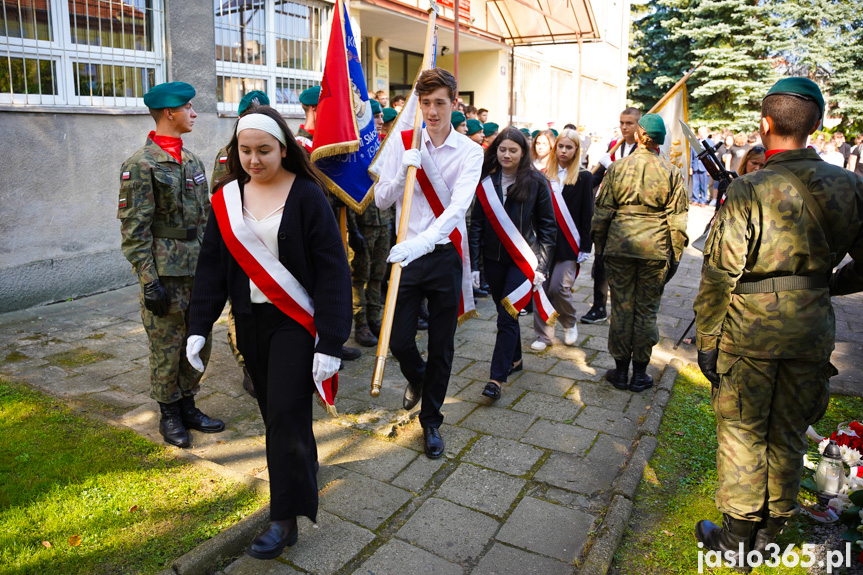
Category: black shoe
[516,367]
[247,383]
[375,328]
[272,541]
[479,293]
[640,380]
[597,314]
[432,442]
[422,324]
[767,531]
[728,538]
[171,425]
[424,310]
[350,353]
[492,390]
[619,376]
[194,418]
[364,336]
[412,396]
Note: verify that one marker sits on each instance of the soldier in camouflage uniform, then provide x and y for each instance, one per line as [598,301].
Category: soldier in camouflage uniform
[163,208]
[368,267]
[248,103]
[639,227]
[765,327]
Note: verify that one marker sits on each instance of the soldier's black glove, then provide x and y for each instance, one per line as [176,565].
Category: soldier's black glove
[707,363]
[357,241]
[156,298]
[672,269]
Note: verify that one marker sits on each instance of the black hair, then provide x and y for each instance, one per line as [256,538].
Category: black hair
[525,174]
[570,127]
[792,117]
[295,161]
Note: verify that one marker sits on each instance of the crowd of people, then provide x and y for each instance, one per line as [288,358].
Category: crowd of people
[501,213]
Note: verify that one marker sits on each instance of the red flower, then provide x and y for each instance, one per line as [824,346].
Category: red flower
[856,427]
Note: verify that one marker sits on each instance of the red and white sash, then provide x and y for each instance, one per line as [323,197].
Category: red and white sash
[564,218]
[431,184]
[519,250]
[272,278]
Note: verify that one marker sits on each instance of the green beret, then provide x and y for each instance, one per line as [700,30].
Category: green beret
[457,118]
[390,114]
[654,126]
[376,107]
[800,87]
[310,96]
[553,131]
[489,128]
[534,134]
[526,132]
[169,95]
[473,126]
[256,97]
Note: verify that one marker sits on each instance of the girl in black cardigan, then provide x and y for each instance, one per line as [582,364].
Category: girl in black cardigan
[564,170]
[524,194]
[274,174]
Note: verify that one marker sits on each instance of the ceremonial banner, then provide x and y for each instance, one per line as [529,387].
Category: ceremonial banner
[345,139]
[676,148]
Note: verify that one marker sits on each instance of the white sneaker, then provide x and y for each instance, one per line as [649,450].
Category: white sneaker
[570,335]
[538,346]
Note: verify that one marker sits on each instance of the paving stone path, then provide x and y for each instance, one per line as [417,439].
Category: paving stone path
[525,480]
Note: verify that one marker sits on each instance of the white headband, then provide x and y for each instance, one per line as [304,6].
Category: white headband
[261,122]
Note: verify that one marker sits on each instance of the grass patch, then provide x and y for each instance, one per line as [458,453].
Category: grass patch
[15,356]
[76,357]
[679,483]
[105,500]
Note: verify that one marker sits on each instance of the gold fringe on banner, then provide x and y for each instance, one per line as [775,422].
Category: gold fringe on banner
[466,316]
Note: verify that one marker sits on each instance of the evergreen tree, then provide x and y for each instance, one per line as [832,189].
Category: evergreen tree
[736,39]
[846,86]
[658,56]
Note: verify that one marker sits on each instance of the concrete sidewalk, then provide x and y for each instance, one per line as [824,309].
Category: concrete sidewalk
[525,483]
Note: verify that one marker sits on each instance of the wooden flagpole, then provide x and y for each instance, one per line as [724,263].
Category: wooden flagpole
[396,273]
[656,106]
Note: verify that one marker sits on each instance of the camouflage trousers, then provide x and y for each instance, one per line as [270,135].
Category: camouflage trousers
[232,337]
[763,408]
[367,272]
[171,375]
[636,289]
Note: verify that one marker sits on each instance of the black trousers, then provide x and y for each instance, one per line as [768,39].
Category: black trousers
[600,282]
[278,353]
[436,276]
[503,277]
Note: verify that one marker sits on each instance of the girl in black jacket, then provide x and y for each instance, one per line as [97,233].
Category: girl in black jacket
[565,173]
[526,200]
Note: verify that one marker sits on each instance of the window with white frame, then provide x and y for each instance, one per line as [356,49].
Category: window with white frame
[562,101]
[93,53]
[527,90]
[276,46]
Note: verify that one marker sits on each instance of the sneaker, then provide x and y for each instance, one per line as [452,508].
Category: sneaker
[538,346]
[570,335]
[595,315]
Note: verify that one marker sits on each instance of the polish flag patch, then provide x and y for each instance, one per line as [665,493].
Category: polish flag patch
[126,176]
[223,159]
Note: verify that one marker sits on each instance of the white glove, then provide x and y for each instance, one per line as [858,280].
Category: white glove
[194,345]
[605,160]
[409,158]
[409,250]
[474,276]
[538,280]
[324,366]
[583,257]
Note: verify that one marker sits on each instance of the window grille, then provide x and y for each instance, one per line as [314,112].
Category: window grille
[527,88]
[276,46]
[76,53]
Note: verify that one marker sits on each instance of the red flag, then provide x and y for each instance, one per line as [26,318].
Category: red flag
[336,100]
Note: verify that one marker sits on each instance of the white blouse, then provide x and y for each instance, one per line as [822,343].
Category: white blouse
[266,230]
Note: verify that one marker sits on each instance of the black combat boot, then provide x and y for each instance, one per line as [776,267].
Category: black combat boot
[364,336]
[640,380]
[194,418]
[767,531]
[729,537]
[247,383]
[619,376]
[171,425]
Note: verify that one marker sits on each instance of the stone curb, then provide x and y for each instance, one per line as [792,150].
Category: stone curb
[231,542]
[609,534]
